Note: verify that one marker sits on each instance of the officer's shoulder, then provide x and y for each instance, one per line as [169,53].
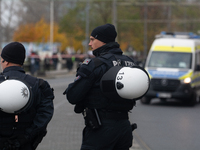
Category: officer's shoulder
[35,80]
[2,77]
[43,83]
[89,62]
[88,66]
[30,79]
[86,61]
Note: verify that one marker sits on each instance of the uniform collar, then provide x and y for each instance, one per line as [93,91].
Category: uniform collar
[112,47]
[14,68]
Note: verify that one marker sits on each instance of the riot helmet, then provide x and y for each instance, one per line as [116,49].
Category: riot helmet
[130,83]
[16,96]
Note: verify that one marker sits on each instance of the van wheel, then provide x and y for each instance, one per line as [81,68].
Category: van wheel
[145,100]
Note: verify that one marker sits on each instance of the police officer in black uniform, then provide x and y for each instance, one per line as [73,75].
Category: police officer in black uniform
[106,119]
[24,130]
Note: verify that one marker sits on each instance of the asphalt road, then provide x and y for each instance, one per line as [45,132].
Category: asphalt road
[161,126]
[167,126]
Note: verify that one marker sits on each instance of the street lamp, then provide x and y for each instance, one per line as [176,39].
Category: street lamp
[51,24]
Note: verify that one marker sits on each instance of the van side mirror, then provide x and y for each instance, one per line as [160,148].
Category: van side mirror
[197,68]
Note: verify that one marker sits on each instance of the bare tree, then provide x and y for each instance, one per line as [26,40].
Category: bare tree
[16,12]
[104,9]
[35,10]
[9,19]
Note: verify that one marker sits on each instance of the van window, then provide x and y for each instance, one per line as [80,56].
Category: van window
[197,58]
[170,60]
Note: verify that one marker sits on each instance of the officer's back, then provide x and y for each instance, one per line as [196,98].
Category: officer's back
[23,129]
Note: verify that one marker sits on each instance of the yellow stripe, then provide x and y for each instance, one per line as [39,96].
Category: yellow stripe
[197,47]
[194,77]
[172,49]
[189,74]
[148,73]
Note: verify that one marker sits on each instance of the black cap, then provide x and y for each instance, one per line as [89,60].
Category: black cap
[105,33]
[14,52]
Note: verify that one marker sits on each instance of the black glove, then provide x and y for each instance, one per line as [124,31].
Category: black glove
[78,108]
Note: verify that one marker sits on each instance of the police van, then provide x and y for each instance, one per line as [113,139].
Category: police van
[173,64]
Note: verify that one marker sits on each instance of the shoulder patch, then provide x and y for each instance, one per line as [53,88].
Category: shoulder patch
[77,78]
[86,61]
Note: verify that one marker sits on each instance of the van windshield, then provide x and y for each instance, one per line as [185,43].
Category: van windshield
[170,60]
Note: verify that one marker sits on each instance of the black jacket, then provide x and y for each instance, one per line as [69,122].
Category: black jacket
[85,90]
[34,120]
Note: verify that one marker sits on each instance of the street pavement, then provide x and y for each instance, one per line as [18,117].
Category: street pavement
[65,128]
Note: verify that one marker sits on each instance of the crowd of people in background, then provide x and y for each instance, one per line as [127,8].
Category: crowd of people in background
[37,66]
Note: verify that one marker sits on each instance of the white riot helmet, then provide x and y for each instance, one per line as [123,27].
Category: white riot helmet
[15,96]
[130,83]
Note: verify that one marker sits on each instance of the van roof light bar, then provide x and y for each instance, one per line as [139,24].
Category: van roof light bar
[185,35]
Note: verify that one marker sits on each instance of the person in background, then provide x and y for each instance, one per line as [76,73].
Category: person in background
[47,62]
[55,60]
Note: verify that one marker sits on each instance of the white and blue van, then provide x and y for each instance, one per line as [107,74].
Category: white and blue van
[173,64]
